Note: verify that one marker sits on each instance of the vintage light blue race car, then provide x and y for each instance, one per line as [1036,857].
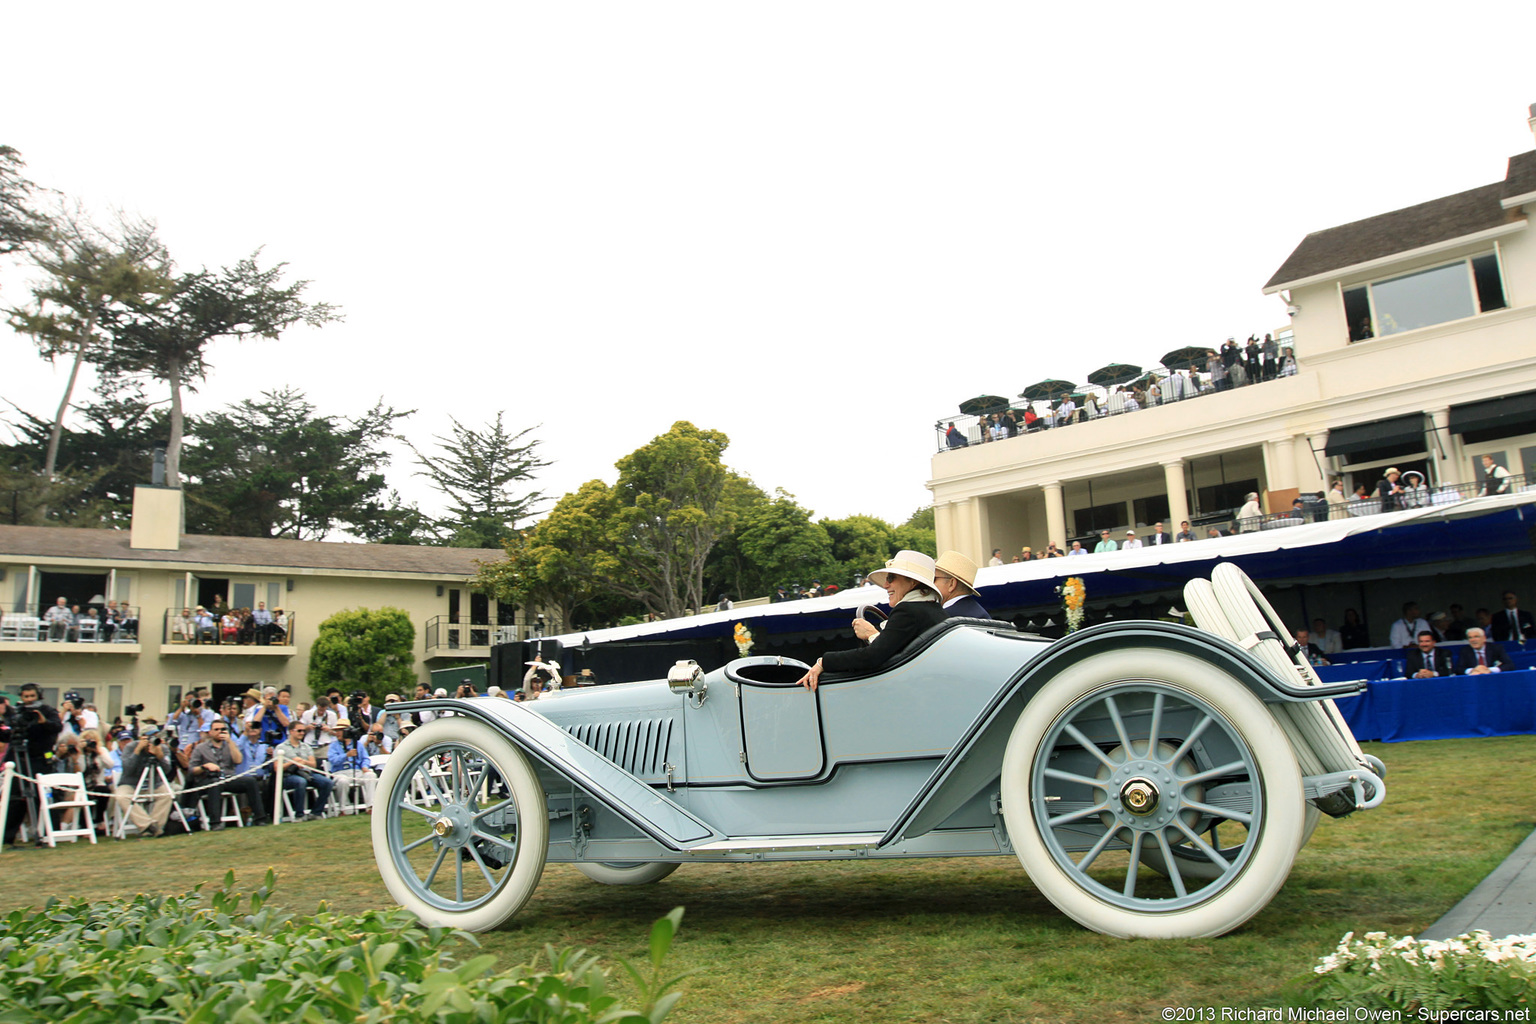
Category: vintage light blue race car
[1154,780]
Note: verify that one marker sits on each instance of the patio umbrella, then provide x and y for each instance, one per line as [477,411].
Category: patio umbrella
[1190,357]
[1114,373]
[983,404]
[1047,390]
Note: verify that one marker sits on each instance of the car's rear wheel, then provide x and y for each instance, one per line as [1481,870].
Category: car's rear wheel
[639,873]
[460,827]
[1140,749]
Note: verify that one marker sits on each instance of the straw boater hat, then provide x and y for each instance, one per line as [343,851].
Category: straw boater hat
[961,568]
[914,565]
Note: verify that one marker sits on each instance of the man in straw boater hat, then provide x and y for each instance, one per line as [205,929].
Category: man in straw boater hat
[954,576]
[914,600]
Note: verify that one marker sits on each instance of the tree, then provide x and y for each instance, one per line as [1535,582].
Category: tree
[772,541]
[859,544]
[87,269]
[166,336]
[646,539]
[364,649]
[272,467]
[101,461]
[20,223]
[477,471]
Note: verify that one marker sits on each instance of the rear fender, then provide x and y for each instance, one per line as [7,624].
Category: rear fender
[625,795]
[976,759]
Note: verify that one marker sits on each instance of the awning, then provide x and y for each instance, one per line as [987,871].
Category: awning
[1398,432]
[1503,417]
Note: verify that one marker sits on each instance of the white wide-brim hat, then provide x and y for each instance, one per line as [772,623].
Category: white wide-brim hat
[914,565]
[960,567]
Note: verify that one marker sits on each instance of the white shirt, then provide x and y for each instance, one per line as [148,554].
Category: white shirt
[1405,633]
[1131,544]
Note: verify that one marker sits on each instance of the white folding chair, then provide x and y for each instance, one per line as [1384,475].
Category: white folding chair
[59,791]
[87,629]
[231,812]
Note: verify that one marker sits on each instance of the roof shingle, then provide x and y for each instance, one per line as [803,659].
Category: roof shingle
[39,543]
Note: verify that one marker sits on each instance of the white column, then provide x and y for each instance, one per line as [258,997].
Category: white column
[944,526]
[1178,504]
[1055,514]
[1282,467]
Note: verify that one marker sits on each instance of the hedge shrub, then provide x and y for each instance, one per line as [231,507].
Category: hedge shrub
[231,958]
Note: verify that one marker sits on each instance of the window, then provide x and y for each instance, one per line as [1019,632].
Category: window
[1151,510]
[1452,291]
[1098,517]
[1225,496]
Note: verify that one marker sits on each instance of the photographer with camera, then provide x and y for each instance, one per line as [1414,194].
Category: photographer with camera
[191,721]
[83,754]
[272,715]
[140,759]
[349,764]
[214,760]
[33,731]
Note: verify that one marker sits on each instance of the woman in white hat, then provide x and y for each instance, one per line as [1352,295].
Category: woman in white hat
[908,579]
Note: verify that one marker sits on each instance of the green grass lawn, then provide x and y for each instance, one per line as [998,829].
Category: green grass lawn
[964,940]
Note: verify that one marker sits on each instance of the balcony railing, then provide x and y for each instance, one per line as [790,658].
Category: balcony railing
[450,633]
[179,630]
[1091,402]
[36,625]
[1316,510]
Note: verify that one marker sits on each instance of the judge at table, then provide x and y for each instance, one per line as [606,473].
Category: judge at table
[1480,657]
[1426,661]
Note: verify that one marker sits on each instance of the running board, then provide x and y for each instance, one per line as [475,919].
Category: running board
[853,841]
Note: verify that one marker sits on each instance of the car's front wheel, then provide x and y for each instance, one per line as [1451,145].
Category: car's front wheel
[638,873]
[1136,750]
[460,827]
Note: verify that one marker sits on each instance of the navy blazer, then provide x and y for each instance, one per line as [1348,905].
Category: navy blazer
[967,608]
[908,619]
[1496,659]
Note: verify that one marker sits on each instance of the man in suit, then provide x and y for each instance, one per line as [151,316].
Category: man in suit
[1426,661]
[1513,624]
[1158,536]
[955,577]
[1480,657]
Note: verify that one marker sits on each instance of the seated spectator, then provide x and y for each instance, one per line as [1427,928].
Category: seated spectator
[1131,542]
[379,742]
[280,626]
[262,622]
[205,628]
[213,765]
[1512,624]
[183,628]
[1105,545]
[1287,362]
[1213,533]
[1313,652]
[1330,640]
[954,438]
[299,765]
[246,635]
[350,769]
[1405,629]
[60,621]
[229,627]
[1426,661]
[1439,622]
[1481,657]
[1031,419]
[1077,549]
[1457,630]
[1185,533]
[1052,551]
[1066,412]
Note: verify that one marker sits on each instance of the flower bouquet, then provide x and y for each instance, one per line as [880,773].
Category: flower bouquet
[743,638]
[1073,594]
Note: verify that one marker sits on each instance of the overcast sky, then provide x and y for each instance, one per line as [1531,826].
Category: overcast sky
[814,226]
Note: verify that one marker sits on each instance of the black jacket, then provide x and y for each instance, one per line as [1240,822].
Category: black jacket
[1500,626]
[1441,662]
[908,619]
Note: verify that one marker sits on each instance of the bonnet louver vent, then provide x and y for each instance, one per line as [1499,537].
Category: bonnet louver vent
[639,747]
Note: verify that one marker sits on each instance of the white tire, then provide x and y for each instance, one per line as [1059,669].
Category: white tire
[460,826]
[1089,769]
[642,873]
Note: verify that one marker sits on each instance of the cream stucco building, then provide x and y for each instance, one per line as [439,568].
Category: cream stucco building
[157,570]
[1415,340]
